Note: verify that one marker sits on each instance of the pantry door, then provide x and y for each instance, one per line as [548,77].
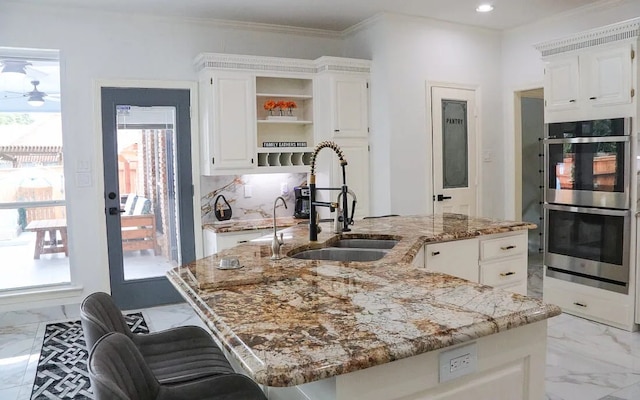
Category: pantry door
[453,116]
[148,191]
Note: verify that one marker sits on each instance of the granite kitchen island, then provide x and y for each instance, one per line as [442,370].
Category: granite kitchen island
[374,330]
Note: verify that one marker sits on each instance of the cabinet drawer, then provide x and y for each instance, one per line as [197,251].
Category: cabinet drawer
[506,246]
[587,304]
[503,273]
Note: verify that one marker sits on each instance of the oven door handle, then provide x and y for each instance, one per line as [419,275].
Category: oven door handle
[588,210]
[590,139]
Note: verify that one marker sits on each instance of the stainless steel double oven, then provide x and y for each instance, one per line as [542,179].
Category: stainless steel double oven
[587,216]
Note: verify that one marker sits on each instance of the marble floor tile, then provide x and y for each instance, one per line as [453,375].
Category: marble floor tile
[12,393]
[597,341]
[16,344]
[55,313]
[629,393]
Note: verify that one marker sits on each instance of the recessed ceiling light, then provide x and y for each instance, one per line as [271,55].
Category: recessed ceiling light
[484,8]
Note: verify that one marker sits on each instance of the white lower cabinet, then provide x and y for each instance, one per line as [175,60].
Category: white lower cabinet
[496,260]
[458,258]
[600,305]
[215,242]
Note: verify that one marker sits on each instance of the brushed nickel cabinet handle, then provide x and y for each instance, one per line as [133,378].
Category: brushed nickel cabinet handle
[580,304]
[507,273]
[508,247]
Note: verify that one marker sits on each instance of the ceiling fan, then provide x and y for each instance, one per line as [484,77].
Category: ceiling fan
[35,97]
[20,68]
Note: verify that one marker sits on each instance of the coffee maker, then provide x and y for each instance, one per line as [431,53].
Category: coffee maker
[302,206]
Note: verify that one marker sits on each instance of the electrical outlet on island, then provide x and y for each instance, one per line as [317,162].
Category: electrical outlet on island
[248,191]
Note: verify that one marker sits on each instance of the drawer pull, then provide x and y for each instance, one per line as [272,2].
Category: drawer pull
[510,247]
[435,253]
[242,241]
[507,273]
[580,304]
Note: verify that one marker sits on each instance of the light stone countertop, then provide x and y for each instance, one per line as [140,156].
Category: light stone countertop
[294,321]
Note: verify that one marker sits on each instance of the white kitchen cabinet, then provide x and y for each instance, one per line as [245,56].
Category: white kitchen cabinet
[238,135]
[350,105]
[561,91]
[592,83]
[503,262]
[600,305]
[458,258]
[343,108]
[215,242]
[498,260]
[228,128]
[610,80]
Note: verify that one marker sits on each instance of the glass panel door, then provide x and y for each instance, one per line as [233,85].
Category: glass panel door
[148,191]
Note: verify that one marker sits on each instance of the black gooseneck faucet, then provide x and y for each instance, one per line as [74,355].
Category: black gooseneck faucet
[313,224]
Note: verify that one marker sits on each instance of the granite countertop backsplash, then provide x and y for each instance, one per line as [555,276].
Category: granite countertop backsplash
[240,225]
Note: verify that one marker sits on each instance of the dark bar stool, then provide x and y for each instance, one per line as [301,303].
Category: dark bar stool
[175,355]
[118,371]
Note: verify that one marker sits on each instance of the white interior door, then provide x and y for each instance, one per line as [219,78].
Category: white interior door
[453,115]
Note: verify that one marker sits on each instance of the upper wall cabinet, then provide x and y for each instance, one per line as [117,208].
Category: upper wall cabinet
[350,105]
[591,75]
[262,114]
[229,136]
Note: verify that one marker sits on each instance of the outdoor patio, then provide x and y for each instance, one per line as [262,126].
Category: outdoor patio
[19,269]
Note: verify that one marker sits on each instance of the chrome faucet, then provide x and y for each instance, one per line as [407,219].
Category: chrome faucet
[276,242]
[313,226]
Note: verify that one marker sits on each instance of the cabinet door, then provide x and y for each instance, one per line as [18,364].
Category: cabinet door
[350,106]
[458,258]
[357,171]
[561,79]
[234,137]
[609,76]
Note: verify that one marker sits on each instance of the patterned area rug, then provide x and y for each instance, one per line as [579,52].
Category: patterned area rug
[62,368]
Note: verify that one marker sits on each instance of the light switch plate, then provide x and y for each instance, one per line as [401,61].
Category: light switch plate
[248,191]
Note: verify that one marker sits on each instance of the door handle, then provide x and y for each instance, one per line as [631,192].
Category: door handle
[115,210]
[442,197]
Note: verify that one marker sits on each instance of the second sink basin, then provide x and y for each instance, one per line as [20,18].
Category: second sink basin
[342,254]
[350,249]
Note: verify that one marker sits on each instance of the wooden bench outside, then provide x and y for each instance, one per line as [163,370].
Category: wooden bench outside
[51,244]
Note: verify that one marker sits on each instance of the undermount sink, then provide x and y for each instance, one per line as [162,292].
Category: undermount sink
[350,249]
[341,254]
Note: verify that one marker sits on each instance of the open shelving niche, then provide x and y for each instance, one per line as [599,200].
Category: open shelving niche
[296,128]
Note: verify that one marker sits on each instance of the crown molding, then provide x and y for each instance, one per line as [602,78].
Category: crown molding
[625,30]
[339,64]
[238,62]
[261,27]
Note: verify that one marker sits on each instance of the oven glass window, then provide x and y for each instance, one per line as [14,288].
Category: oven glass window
[594,167]
[588,236]
[593,128]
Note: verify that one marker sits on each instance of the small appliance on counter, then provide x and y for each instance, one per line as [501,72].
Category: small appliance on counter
[302,206]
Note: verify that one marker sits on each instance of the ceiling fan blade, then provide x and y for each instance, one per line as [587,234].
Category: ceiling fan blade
[35,73]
